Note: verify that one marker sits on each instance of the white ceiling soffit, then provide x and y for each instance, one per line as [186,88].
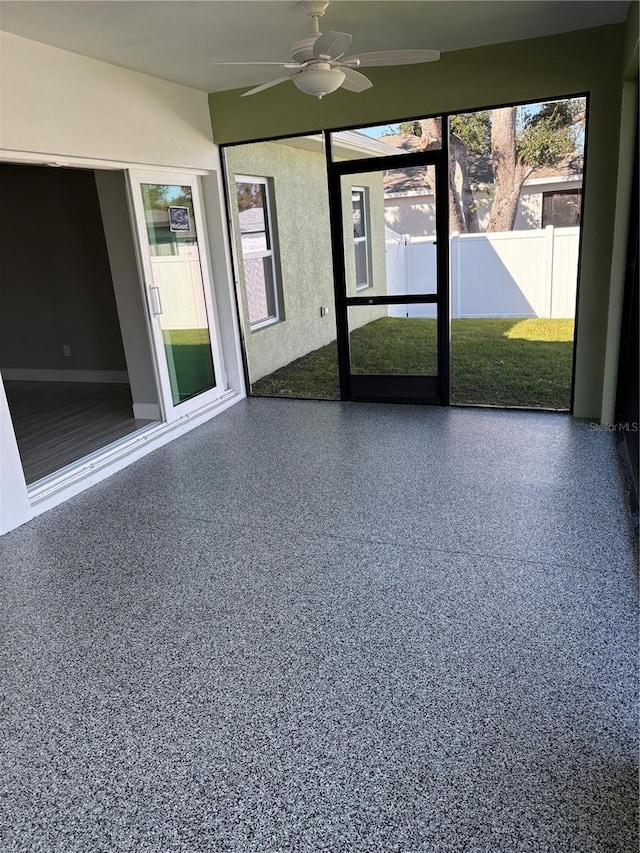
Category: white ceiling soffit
[177,39]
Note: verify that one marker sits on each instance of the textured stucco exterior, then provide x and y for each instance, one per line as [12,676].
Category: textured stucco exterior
[372,183]
[300,210]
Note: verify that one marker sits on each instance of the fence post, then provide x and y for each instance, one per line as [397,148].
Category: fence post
[549,233]
[454,275]
[408,269]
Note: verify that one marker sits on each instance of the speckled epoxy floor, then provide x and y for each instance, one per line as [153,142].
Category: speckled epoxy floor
[328,627]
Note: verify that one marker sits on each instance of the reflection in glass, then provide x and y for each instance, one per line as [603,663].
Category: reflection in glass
[381,344]
[258,273]
[179,302]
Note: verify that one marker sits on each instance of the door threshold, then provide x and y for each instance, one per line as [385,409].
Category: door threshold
[76,477]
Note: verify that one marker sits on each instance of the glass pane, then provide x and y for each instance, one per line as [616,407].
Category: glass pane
[357,202]
[382,342]
[562,210]
[251,206]
[175,263]
[296,356]
[362,273]
[399,255]
[258,274]
[385,140]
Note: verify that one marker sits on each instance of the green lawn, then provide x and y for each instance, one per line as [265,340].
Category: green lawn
[188,354]
[499,362]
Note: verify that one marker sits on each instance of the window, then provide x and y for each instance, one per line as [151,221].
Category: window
[256,236]
[561,209]
[360,236]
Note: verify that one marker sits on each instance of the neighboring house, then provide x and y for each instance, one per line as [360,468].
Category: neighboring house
[551,195]
[279,201]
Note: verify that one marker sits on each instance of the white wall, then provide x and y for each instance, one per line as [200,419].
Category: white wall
[415,214]
[56,102]
[59,104]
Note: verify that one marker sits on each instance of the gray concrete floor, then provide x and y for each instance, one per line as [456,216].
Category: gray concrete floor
[321,626]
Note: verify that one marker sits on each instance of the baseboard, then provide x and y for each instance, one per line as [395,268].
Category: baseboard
[147,412]
[40,375]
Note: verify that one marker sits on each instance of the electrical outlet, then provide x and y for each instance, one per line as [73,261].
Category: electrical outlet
[66,349]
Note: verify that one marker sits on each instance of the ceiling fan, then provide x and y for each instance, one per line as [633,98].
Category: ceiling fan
[319,65]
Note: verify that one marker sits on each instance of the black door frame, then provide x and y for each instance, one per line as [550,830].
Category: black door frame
[397,388]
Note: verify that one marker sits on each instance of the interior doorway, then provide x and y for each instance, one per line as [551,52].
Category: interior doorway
[73,384]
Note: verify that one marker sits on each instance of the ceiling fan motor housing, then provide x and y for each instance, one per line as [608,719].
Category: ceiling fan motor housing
[302,51]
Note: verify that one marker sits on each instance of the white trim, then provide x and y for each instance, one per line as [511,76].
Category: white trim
[364,195]
[147,412]
[561,179]
[410,194]
[264,253]
[135,180]
[41,158]
[70,481]
[28,374]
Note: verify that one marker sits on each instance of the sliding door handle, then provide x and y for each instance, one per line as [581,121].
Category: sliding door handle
[156,303]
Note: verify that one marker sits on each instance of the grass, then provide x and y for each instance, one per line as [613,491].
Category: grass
[188,354]
[493,361]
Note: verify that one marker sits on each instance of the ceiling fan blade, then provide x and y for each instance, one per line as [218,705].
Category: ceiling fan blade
[269,85]
[392,57]
[354,81]
[331,45]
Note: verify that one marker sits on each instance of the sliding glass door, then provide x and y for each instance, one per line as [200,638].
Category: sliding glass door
[177,284]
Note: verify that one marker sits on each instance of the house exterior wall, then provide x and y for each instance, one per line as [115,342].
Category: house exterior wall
[300,221]
[90,114]
[372,182]
[300,214]
[529,215]
[415,214]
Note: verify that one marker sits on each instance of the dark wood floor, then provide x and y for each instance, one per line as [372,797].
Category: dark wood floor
[57,423]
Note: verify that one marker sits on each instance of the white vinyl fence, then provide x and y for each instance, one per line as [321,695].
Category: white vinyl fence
[505,274]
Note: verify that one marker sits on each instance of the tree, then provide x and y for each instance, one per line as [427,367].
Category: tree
[517,140]
[520,144]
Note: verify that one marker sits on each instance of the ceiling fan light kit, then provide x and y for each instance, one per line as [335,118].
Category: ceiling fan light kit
[320,80]
[319,65]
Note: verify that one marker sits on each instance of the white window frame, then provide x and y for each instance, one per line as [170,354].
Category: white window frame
[265,253]
[364,195]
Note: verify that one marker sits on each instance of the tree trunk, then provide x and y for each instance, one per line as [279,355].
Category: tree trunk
[508,173]
[462,214]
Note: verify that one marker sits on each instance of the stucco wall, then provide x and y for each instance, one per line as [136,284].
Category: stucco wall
[303,243]
[372,183]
